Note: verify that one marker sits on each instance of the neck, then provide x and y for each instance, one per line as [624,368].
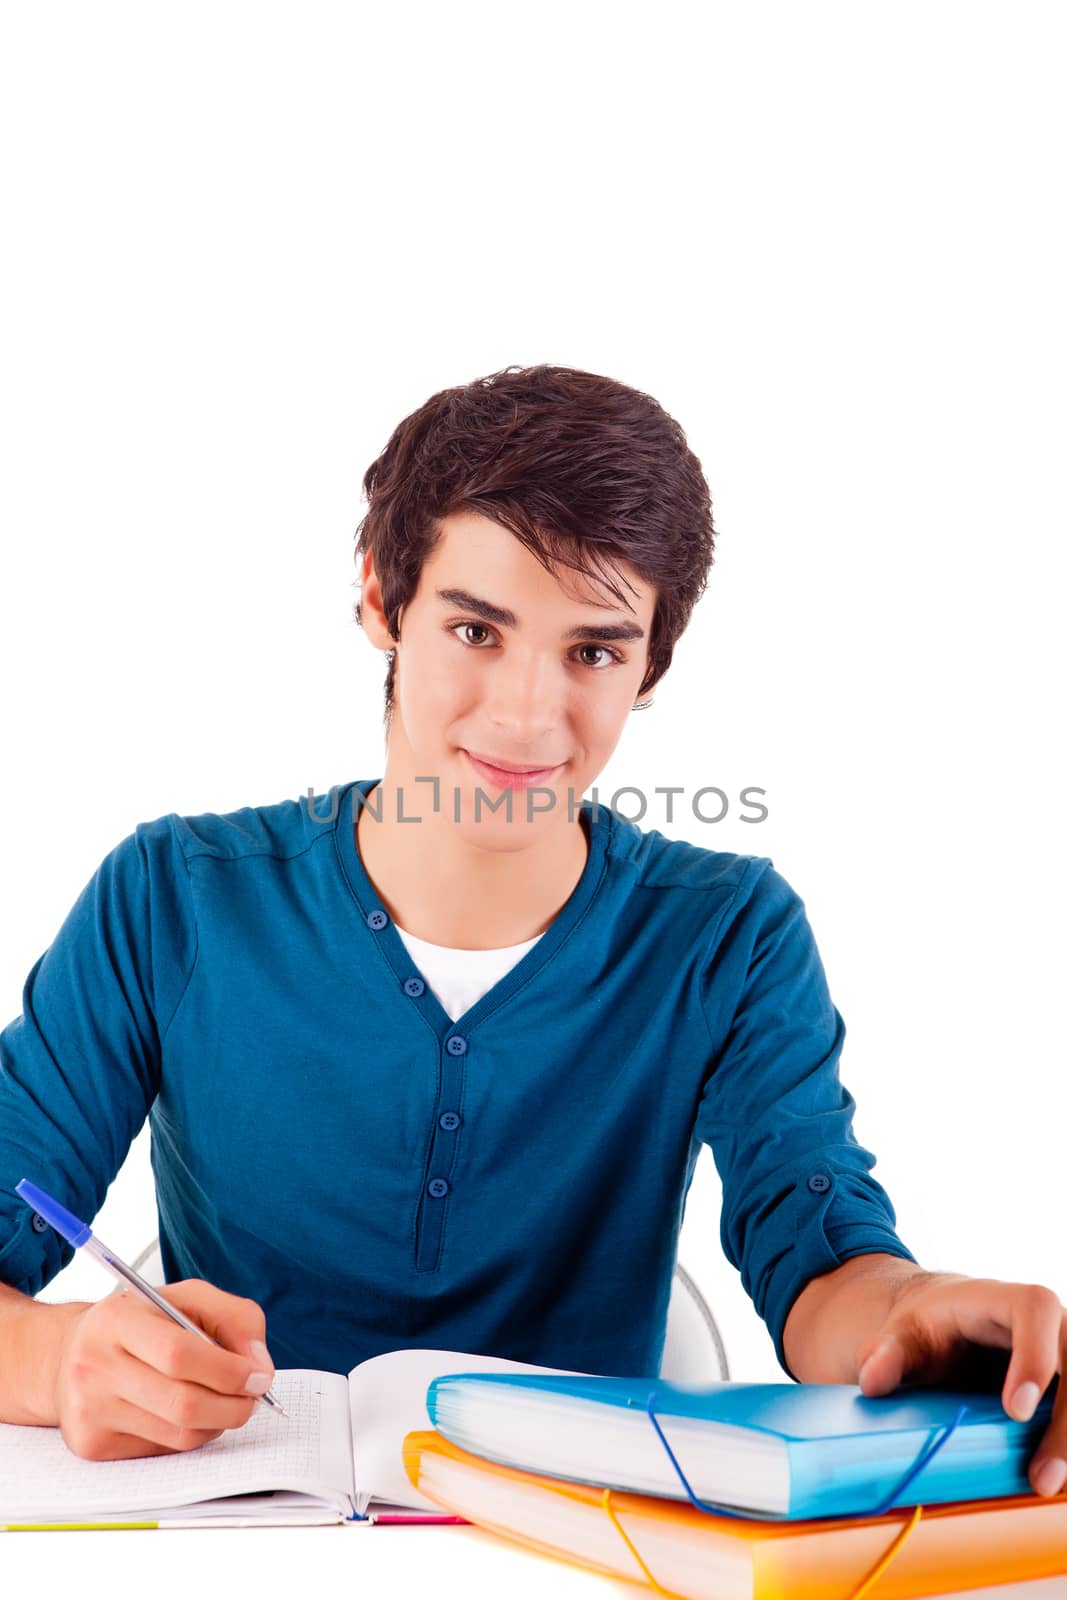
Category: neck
[468,885]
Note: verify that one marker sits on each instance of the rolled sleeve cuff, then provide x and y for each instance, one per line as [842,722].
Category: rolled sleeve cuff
[30,1256]
[822,1241]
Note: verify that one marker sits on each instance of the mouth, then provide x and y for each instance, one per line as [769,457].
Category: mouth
[514,777]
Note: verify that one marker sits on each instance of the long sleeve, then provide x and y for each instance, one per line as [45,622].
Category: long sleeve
[798,1197]
[80,1067]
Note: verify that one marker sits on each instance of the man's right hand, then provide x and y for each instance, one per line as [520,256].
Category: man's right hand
[130,1382]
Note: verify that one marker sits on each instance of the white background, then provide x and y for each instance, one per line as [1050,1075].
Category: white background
[242,242]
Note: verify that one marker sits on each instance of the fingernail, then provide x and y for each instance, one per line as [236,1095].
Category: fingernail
[258,1351]
[1024,1401]
[258,1383]
[1050,1476]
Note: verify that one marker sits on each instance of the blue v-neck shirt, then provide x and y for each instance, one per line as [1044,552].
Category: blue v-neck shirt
[329,1142]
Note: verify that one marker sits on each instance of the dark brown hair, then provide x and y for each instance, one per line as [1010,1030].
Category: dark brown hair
[583,470]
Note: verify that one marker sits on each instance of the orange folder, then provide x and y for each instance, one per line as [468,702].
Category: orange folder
[677,1549]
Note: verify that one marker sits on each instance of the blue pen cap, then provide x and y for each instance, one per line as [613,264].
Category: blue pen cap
[63,1221]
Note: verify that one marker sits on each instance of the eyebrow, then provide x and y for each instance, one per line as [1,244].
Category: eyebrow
[605,632]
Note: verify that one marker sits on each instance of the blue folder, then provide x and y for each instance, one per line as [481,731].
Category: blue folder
[847,1453]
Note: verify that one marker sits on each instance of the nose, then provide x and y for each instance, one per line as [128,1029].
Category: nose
[524,699]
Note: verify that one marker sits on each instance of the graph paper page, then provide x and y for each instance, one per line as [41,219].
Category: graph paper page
[310,1450]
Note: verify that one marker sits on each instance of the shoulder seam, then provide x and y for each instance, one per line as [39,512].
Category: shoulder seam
[251,855]
[754,861]
[196,952]
[749,859]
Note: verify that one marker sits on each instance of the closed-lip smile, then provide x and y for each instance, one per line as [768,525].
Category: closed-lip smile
[510,766]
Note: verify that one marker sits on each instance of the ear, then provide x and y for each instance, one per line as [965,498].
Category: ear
[371,611]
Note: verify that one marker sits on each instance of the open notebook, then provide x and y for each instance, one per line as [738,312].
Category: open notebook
[337,1457]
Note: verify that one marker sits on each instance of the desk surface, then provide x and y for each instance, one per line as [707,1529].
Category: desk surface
[297,1564]
[314,1563]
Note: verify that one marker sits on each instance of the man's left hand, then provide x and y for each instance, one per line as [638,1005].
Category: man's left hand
[929,1336]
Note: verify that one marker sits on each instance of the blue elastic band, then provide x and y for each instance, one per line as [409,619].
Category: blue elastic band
[925,1455]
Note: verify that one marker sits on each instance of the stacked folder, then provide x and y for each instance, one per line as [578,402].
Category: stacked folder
[732,1491]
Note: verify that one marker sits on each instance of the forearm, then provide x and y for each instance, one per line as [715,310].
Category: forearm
[31,1335]
[835,1315]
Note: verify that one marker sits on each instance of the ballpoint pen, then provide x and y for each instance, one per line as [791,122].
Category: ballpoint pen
[80,1235]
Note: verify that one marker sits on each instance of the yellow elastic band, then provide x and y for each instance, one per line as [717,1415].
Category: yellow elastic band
[857,1594]
[883,1561]
[633,1550]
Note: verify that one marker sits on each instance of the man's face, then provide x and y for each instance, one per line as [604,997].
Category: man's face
[541,691]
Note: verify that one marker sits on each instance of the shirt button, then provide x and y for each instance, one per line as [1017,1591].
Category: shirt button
[437,1187]
[413,987]
[457,1045]
[818,1183]
[38,1224]
[449,1121]
[377,920]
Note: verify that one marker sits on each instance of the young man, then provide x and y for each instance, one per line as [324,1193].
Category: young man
[432,1064]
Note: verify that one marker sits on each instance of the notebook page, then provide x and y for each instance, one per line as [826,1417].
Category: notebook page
[310,1450]
[387,1400]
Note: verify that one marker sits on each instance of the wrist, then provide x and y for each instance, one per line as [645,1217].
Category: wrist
[835,1316]
[45,1336]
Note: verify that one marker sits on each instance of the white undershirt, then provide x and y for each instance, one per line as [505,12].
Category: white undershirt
[459,978]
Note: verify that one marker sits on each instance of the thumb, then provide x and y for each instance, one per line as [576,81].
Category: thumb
[889,1358]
